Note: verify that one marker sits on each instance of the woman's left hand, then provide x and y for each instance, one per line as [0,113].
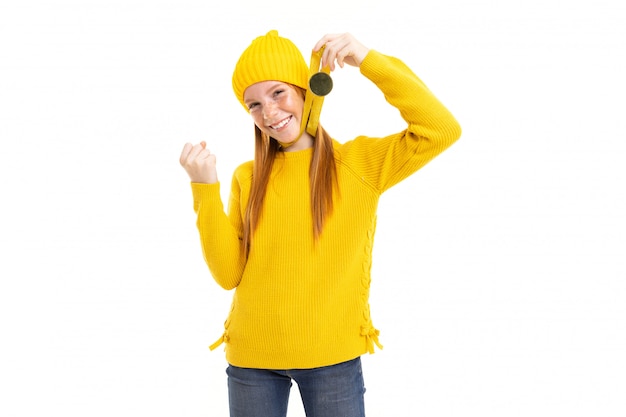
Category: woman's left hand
[341,49]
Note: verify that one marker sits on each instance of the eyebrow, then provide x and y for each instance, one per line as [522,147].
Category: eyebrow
[269,88]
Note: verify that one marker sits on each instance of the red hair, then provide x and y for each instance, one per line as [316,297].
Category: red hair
[322,181]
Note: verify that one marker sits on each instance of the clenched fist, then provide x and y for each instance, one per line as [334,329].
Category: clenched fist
[199,163]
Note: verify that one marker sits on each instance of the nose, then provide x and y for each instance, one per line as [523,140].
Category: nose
[269,110]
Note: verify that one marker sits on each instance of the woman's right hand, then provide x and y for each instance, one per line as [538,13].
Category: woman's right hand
[199,163]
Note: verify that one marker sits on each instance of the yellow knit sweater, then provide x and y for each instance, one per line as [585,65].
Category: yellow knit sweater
[298,304]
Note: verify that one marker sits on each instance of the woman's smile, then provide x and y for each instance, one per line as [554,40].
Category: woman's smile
[280,125]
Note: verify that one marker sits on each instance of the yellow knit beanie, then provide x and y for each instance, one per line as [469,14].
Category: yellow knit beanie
[269,57]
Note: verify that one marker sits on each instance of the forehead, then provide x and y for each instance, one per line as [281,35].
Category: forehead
[261,88]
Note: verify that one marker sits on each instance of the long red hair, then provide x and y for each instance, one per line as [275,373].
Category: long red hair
[322,180]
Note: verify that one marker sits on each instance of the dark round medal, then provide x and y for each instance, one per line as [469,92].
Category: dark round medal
[321,84]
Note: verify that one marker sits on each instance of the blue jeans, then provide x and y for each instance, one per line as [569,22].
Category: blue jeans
[329,391]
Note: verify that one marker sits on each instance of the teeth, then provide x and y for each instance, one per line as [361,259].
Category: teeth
[281,124]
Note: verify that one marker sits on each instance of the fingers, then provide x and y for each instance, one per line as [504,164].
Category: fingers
[191,153]
[321,43]
[330,44]
[340,49]
[184,155]
[195,152]
[199,163]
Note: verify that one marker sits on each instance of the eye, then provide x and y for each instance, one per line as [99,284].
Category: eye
[278,92]
[252,105]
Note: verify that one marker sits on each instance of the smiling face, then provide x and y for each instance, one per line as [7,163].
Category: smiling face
[276,109]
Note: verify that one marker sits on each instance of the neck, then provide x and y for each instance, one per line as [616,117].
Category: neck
[304,142]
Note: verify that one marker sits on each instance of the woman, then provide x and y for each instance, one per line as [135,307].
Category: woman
[296,244]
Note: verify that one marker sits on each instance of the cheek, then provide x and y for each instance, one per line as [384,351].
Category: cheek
[258,122]
[257,117]
[295,103]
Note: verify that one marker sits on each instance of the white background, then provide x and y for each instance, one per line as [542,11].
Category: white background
[498,280]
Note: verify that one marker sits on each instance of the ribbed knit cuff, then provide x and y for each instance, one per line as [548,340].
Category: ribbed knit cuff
[372,63]
[204,192]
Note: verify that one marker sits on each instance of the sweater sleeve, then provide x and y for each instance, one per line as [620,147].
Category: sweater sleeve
[220,233]
[383,162]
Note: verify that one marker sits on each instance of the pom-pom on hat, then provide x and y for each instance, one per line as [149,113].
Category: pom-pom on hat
[270,57]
